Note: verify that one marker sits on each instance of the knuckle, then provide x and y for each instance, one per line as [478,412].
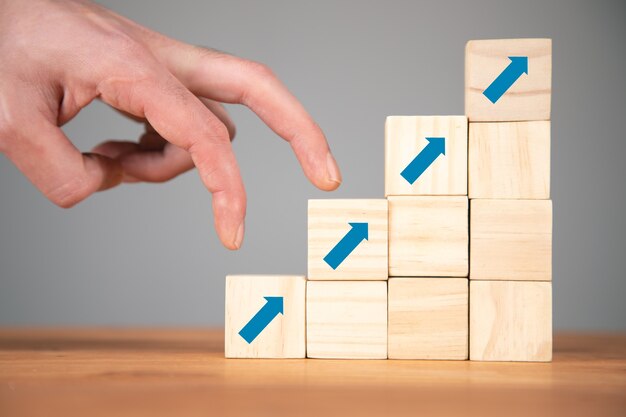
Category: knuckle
[214,133]
[259,69]
[234,201]
[126,58]
[206,52]
[126,45]
[218,132]
[211,176]
[69,193]
[257,74]
[238,205]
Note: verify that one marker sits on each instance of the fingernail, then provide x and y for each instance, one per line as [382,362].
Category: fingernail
[239,236]
[333,170]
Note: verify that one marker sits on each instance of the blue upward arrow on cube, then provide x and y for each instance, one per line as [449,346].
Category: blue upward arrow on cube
[358,232]
[504,81]
[272,308]
[424,159]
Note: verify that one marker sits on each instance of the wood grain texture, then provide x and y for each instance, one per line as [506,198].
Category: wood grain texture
[428,318]
[163,372]
[428,236]
[328,224]
[284,337]
[510,321]
[527,99]
[511,240]
[346,320]
[509,160]
[405,138]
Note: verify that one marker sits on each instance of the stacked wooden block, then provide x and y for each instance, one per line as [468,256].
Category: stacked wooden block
[454,263]
[428,237]
[510,206]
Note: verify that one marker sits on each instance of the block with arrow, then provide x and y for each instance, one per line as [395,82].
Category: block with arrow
[426,155]
[265,316]
[508,80]
[347,239]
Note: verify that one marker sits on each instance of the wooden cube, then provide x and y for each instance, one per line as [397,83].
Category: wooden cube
[511,321]
[509,160]
[346,319]
[428,236]
[265,316]
[515,73]
[428,318]
[511,240]
[417,165]
[347,240]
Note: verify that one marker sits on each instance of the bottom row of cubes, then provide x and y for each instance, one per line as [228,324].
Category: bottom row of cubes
[402,318]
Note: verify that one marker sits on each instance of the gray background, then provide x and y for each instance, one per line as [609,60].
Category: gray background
[148,255]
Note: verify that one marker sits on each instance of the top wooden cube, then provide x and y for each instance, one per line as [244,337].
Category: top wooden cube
[426,155]
[508,80]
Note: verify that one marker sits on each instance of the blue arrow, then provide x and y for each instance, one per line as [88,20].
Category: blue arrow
[262,318]
[435,147]
[499,86]
[346,245]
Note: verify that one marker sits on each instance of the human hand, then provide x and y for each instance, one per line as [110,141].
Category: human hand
[58,56]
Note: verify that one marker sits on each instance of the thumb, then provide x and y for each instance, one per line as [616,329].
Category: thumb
[48,159]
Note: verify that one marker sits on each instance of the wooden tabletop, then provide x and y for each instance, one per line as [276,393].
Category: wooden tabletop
[93,372]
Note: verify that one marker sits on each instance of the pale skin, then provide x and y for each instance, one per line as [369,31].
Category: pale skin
[59,55]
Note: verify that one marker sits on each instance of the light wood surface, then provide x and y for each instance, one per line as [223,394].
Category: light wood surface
[428,236]
[328,223]
[284,335]
[346,319]
[405,138]
[428,318]
[165,372]
[511,240]
[510,321]
[527,99]
[509,160]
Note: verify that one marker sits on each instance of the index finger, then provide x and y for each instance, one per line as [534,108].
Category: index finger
[229,79]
